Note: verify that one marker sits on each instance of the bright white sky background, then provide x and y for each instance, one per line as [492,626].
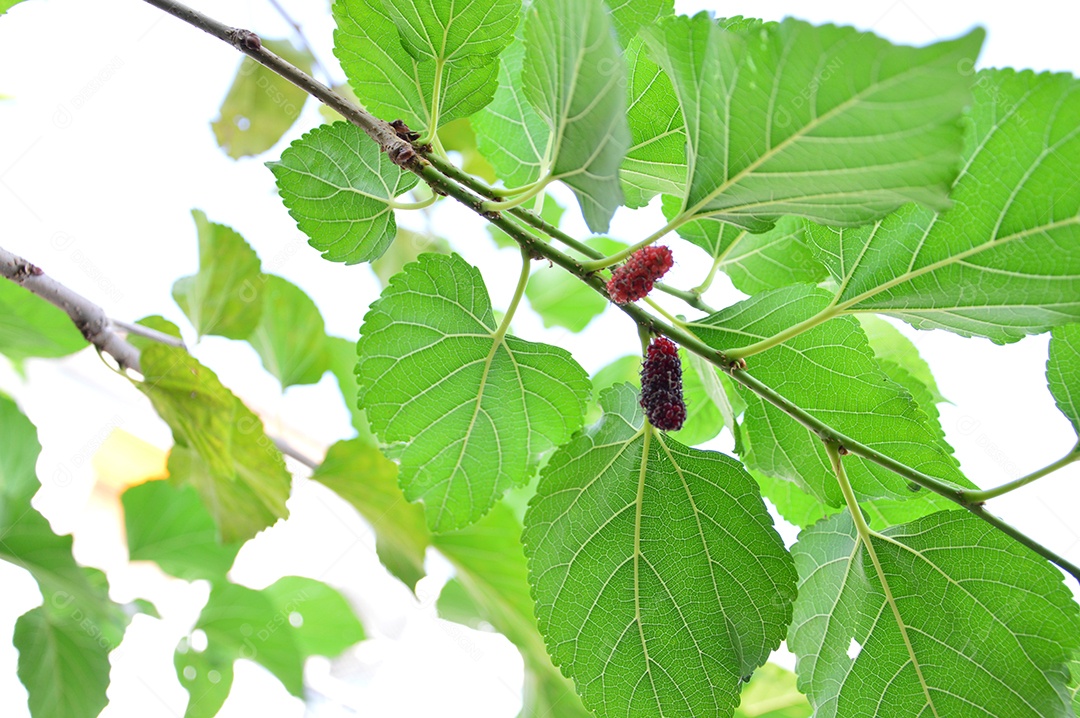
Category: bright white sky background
[105,147]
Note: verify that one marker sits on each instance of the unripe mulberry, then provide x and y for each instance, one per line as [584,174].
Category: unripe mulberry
[661,385]
[635,279]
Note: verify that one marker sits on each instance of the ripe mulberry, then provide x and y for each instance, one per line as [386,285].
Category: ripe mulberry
[661,386]
[635,279]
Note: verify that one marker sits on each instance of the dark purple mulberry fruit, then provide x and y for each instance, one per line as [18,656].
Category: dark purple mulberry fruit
[635,279]
[661,385]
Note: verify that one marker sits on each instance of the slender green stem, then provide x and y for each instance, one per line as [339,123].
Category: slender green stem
[664,313]
[620,256]
[432,133]
[691,297]
[977,497]
[426,202]
[704,286]
[519,291]
[519,199]
[866,536]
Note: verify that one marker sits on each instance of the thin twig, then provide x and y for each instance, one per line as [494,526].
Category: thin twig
[304,44]
[88,318]
[148,333]
[471,195]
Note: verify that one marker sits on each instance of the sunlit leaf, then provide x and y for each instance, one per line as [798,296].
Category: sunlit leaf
[32,327]
[474,409]
[655,568]
[1005,260]
[290,337]
[829,123]
[261,105]
[965,621]
[1063,371]
[338,185]
[573,75]
[225,297]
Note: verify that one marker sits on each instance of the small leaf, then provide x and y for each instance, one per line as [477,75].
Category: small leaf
[1063,371]
[238,623]
[473,409]
[322,621]
[225,297]
[1005,260]
[64,666]
[492,586]
[393,84]
[969,622]
[221,448]
[337,185]
[6,5]
[291,336]
[830,372]
[357,472]
[261,105]
[32,327]
[641,588]
[829,123]
[573,75]
[169,525]
[341,355]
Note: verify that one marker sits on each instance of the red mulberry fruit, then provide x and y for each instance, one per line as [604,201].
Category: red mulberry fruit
[635,279]
[661,386]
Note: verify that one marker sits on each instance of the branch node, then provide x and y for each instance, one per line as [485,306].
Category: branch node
[245,40]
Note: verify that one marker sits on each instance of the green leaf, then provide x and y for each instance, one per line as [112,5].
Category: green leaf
[393,84]
[32,327]
[629,16]
[655,160]
[793,503]
[169,525]
[829,123]
[221,448]
[563,300]
[772,693]
[63,644]
[321,620]
[449,31]
[238,623]
[552,213]
[225,297]
[492,586]
[1063,371]
[473,408]
[508,131]
[6,5]
[291,336]
[338,185]
[830,372]
[261,105]
[655,568]
[890,345]
[1005,260]
[573,74]
[407,246]
[64,666]
[703,419]
[357,472]
[971,622]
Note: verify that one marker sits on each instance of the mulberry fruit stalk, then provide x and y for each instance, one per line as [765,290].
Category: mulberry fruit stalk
[635,279]
[661,385]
